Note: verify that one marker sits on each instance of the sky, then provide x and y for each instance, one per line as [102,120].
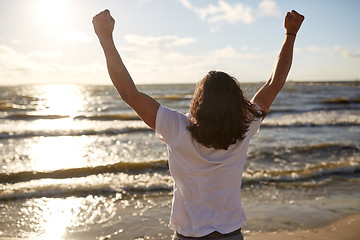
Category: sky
[176,41]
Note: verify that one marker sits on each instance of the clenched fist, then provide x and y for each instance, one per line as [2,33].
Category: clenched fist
[293,22]
[103,24]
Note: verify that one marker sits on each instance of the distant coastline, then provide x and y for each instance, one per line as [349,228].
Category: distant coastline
[346,81]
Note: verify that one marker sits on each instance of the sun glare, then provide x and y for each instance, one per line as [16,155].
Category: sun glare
[55,153]
[62,102]
[54,217]
[62,99]
[52,12]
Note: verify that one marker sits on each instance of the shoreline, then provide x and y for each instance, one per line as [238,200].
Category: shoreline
[345,228]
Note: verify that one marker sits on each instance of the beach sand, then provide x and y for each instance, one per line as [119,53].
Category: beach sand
[346,228]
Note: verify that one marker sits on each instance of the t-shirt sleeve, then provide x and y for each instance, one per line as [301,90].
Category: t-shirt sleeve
[255,124]
[169,123]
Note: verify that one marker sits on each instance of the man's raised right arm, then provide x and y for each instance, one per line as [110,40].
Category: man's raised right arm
[144,105]
[267,93]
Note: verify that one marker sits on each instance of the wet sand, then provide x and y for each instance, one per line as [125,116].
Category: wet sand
[346,228]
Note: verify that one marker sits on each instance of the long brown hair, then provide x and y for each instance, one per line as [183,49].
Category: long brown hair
[220,114]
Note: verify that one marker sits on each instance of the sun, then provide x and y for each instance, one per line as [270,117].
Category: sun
[52,12]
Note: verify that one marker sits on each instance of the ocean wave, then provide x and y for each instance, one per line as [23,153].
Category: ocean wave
[325,156]
[26,116]
[126,184]
[72,132]
[8,106]
[309,124]
[312,172]
[101,184]
[66,190]
[18,134]
[55,190]
[298,120]
[321,118]
[174,97]
[99,117]
[110,117]
[327,147]
[109,182]
[128,167]
[327,108]
[342,100]
[319,148]
[315,119]
[313,153]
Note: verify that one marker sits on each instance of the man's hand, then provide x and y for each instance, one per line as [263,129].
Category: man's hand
[293,22]
[103,24]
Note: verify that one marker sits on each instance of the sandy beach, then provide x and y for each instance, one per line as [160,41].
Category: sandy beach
[346,228]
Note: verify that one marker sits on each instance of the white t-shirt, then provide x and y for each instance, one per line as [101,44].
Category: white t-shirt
[207,185]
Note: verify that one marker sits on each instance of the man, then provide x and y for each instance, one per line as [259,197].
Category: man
[207,149]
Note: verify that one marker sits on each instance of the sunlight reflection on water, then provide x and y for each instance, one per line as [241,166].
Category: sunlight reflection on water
[50,218]
[53,153]
[54,218]
[65,100]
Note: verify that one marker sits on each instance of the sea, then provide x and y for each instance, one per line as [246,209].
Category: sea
[77,163]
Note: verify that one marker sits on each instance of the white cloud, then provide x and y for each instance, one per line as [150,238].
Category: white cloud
[16,41]
[16,67]
[45,54]
[74,36]
[231,53]
[187,4]
[335,50]
[269,8]
[162,41]
[323,50]
[224,12]
[12,62]
[347,53]
[147,59]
